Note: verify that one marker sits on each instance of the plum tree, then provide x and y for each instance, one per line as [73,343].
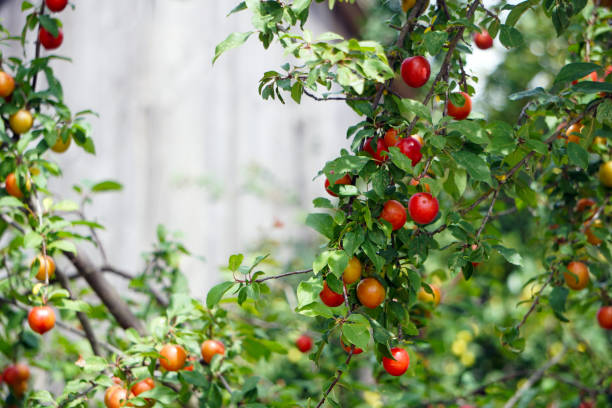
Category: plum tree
[501,203]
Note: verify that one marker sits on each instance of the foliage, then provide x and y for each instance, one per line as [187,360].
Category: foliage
[511,192]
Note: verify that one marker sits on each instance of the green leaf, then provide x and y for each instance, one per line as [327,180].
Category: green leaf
[338,260]
[42,396]
[377,70]
[509,254]
[380,181]
[49,24]
[241,6]
[400,159]
[604,113]
[353,239]
[32,240]
[235,261]
[356,330]
[476,167]
[370,249]
[539,91]
[575,71]
[434,41]
[296,91]
[347,78]
[557,299]
[10,201]
[517,12]
[107,185]
[94,364]
[232,41]
[76,305]
[589,87]
[577,155]
[316,309]
[510,37]
[322,223]
[409,107]
[216,293]
[502,137]
[308,292]
[63,245]
[471,130]
[65,205]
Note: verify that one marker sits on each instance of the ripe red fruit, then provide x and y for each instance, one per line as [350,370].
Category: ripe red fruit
[304,343]
[346,348]
[398,366]
[591,77]
[329,297]
[391,137]
[211,347]
[423,208]
[142,386]
[604,317]
[346,179]
[577,277]
[49,41]
[189,367]
[172,357]
[395,213]
[460,112]
[41,319]
[116,397]
[7,85]
[415,71]
[483,40]
[56,5]
[15,374]
[380,147]
[370,293]
[411,148]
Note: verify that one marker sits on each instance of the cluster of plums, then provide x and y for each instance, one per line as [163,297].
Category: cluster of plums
[577,278]
[48,40]
[16,377]
[173,357]
[416,71]
[395,366]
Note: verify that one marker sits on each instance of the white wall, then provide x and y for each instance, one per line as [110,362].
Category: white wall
[169,121]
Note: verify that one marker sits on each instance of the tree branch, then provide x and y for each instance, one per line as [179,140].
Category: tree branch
[336,379]
[107,294]
[37,52]
[535,377]
[89,332]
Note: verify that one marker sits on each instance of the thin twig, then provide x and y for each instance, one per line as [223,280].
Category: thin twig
[338,375]
[486,218]
[282,275]
[225,383]
[536,301]
[37,52]
[535,377]
[334,98]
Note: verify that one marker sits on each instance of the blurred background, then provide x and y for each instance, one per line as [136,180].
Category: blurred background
[194,145]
